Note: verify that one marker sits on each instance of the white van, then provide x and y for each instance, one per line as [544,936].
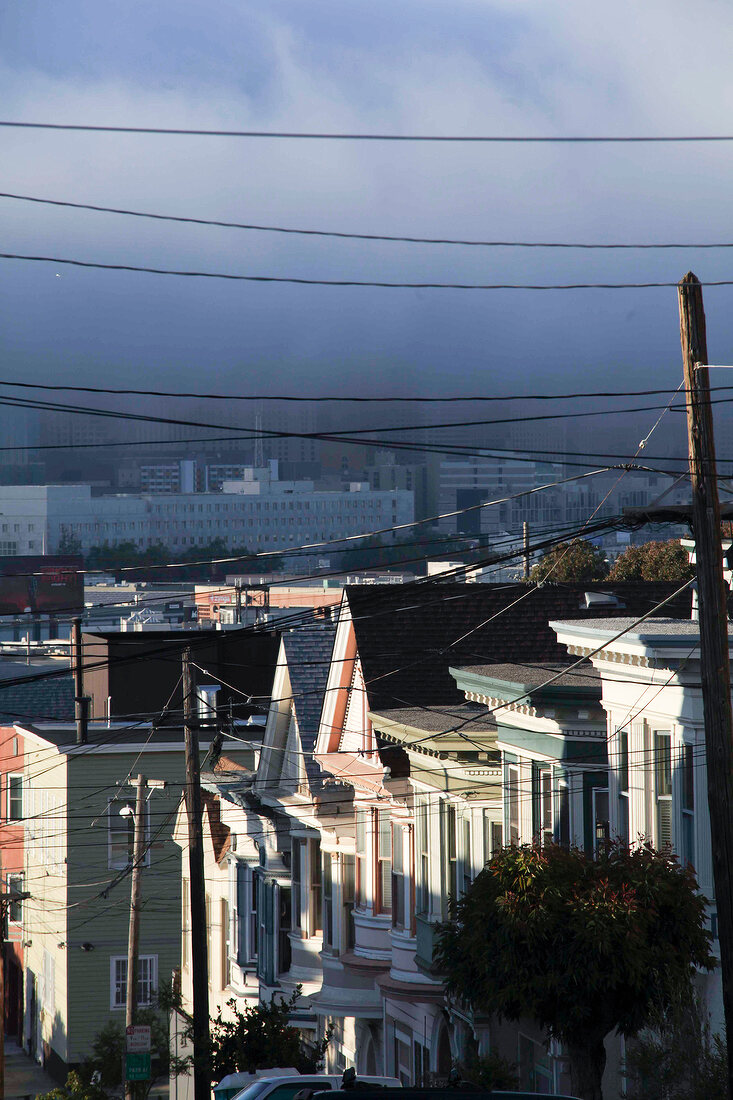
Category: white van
[285,1088]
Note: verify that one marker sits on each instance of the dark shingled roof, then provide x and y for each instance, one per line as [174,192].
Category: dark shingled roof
[584,676]
[308,651]
[441,719]
[40,700]
[408,635]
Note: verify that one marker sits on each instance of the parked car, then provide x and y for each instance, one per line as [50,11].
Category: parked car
[455,1092]
[285,1087]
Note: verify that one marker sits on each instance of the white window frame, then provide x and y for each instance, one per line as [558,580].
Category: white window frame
[15,881]
[10,776]
[115,983]
[663,799]
[114,805]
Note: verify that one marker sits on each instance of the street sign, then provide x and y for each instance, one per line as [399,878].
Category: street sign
[137,1067]
[138,1038]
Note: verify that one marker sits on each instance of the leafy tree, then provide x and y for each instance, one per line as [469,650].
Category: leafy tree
[69,543]
[261,1037]
[680,1059]
[490,1072]
[653,561]
[568,562]
[108,1049]
[581,946]
[75,1089]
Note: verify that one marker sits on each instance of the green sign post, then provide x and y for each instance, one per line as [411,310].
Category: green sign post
[137,1067]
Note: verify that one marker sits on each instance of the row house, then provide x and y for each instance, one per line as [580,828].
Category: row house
[382,789]
[651,694]
[78,851]
[66,843]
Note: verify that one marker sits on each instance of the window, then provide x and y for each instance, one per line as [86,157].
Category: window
[348,885]
[296,879]
[15,905]
[226,974]
[513,805]
[398,877]
[423,859]
[254,894]
[121,834]
[360,832]
[493,837]
[663,786]
[449,840]
[562,824]
[283,932]
[542,805]
[316,913]
[601,830]
[147,980]
[467,864]
[623,785]
[688,805]
[384,862]
[15,798]
[329,930]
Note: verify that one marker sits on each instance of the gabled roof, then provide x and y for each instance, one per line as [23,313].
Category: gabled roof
[410,635]
[308,653]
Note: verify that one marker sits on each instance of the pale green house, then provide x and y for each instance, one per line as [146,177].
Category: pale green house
[77,870]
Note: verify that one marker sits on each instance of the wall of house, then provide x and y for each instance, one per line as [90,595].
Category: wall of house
[46,916]
[12,763]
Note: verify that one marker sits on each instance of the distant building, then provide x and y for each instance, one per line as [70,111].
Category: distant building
[259,512]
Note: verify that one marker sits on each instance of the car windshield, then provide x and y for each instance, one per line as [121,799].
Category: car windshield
[252,1091]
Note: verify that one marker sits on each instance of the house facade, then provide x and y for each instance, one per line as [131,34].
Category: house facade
[77,859]
[657,774]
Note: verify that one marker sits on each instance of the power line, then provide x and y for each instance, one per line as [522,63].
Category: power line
[343,235]
[453,398]
[383,284]
[494,139]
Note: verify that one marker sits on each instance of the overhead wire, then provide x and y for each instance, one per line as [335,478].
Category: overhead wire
[493,139]
[384,284]
[343,235]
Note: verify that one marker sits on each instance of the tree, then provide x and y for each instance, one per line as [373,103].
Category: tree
[581,946]
[653,561]
[69,543]
[575,561]
[680,1059]
[104,1064]
[260,1037]
[74,1089]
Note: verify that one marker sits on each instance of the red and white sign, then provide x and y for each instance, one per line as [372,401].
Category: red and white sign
[138,1038]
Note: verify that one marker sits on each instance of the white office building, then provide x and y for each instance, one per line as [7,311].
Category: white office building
[36,519]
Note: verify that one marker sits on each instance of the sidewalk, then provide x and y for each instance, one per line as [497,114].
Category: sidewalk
[23,1076]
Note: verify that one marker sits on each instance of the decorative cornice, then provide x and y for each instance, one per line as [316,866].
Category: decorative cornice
[613,657]
[495,703]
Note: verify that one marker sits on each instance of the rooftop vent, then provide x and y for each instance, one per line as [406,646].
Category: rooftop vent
[601,599]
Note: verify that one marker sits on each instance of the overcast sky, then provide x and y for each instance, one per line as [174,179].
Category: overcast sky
[401,66]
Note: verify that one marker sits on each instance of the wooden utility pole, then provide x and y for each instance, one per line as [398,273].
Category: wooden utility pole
[199,960]
[714,647]
[81,704]
[134,931]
